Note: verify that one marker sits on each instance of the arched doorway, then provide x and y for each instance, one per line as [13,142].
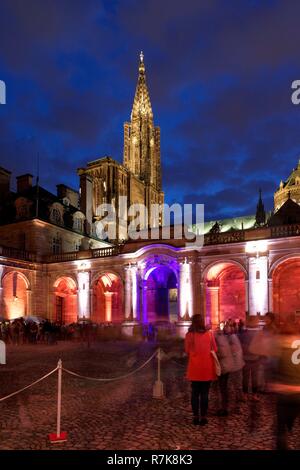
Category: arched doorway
[160,294]
[15,287]
[225,293]
[286,288]
[65,308]
[107,299]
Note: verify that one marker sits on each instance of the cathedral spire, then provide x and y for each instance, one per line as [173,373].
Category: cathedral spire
[260,217]
[141,104]
[142,142]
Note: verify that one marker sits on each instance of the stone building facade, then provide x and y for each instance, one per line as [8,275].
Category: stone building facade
[53,265]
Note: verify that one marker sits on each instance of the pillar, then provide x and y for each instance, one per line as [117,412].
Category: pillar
[246,296]
[134,292]
[270,282]
[108,306]
[213,308]
[258,285]
[83,294]
[185,291]
[1,302]
[28,310]
[127,292]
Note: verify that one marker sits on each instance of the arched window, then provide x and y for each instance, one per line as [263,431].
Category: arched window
[78,221]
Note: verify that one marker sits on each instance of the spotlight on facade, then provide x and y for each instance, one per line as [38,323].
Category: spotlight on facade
[256,247]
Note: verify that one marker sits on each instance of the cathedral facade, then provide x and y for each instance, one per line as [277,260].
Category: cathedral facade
[54,265]
[138,181]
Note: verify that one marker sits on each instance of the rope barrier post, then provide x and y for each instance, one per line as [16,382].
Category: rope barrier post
[58,436]
[158,388]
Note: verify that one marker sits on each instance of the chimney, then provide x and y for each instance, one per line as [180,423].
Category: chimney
[4,182]
[24,182]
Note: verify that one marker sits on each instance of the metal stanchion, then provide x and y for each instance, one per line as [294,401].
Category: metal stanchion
[158,388]
[58,436]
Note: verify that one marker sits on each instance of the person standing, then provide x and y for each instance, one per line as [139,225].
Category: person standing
[199,342]
[252,360]
[230,356]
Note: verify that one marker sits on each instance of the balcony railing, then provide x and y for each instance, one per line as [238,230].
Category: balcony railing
[226,237]
[285,231]
[104,252]
[15,253]
[209,239]
[78,255]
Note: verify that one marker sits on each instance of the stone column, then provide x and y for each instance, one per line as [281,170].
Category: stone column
[258,285]
[213,307]
[185,291]
[108,306]
[83,294]
[127,299]
[247,296]
[53,306]
[1,302]
[29,310]
[134,292]
[270,284]
[91,292]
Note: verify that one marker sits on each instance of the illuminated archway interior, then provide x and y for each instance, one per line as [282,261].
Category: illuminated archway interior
[14,296]
[65,301]
[161,294]
[286,288]
[107,299]
[225,293]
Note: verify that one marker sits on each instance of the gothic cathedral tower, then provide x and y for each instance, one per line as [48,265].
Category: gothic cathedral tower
[141,154]
[141,137]
[106,181]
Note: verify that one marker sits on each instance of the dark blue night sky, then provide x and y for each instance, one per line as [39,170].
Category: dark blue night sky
[219,75]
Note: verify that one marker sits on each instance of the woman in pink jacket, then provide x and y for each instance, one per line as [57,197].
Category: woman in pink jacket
[201,367]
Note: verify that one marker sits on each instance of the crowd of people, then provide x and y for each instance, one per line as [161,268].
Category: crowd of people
[260,359]
[24,331]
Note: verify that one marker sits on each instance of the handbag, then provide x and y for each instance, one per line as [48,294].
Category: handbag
[215,358]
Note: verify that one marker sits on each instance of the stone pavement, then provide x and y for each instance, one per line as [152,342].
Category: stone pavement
[121,414]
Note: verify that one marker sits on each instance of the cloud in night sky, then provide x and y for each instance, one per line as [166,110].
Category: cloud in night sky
[219,75]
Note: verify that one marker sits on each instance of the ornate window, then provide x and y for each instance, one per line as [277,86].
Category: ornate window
[56,214]
[56,245]
[78,221]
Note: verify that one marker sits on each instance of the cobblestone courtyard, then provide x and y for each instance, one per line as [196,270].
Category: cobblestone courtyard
[121,414]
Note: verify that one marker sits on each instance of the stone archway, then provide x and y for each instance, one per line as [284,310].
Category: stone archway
[107,299]
[65,300]
[225,293]
[15,295]
[160,296]
[286,288]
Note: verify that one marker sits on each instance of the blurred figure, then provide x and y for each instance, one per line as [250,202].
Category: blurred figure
[199,342]
[231,360]
[262,345]
[286,382]
[252,361]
